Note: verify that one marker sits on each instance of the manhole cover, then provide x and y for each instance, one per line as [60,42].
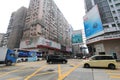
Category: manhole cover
[50,70]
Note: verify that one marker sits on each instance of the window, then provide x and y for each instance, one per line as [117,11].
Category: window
[118,10]
[111,6]
[107,57]
[12,55]
[110,1]
[116,18]
[103,58]
[98,58]
[106,26]
[116,0]
[118,24]
[117,5]
[31,29]
[113,12]
[113,25]
[95,58]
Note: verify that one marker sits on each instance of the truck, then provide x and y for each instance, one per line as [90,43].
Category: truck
[7,56]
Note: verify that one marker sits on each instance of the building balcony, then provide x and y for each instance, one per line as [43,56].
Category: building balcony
[117,7]
[117,1]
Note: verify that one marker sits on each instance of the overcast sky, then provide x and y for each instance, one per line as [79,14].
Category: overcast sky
[73,10]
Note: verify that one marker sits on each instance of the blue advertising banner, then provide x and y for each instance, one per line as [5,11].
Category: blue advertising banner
[92,22]
[77,38]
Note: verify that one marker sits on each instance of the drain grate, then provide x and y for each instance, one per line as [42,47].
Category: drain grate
[71,66]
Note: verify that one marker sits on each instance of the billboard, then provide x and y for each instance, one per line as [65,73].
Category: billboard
[34,42]
[92,23]
[77,38]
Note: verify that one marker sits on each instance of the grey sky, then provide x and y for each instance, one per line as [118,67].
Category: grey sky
[73,10]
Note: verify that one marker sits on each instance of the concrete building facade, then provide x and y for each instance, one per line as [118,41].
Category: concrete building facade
[77,42]
[9,30]
[1,39]
[15,29]
[46,29]
[108,40]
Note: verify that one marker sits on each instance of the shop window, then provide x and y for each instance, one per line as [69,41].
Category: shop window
[113,25]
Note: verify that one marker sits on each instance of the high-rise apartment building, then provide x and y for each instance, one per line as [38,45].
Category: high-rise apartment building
[77,41]
[9,30]
[1,38]
[15,29]
[46,28]
[107,36]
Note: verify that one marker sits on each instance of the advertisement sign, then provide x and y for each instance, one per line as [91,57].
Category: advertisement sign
[77,38]
[49,43]
[39,41]
[92,22]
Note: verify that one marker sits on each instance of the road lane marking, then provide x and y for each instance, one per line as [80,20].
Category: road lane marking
[49,72]
[28,77]
[2,73]
[6,73]
[59,73]
[115,76]
[19,69]
[70,71]
[72,65]
[12,71]
[44,73]
[62,76]
[110,74]
[16,78]
[113,73]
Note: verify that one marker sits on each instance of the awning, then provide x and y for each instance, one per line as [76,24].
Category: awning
[48,47]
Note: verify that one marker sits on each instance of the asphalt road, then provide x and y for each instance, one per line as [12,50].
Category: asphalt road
[40,70]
